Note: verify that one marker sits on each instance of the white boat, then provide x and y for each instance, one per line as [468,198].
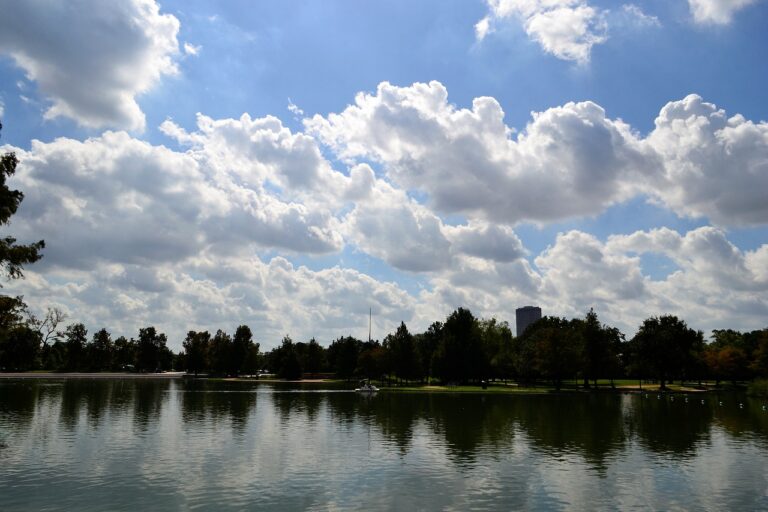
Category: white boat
[366,387]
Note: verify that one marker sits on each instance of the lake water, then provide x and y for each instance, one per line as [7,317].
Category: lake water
[173,445]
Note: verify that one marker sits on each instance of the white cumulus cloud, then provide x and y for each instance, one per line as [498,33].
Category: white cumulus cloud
[568,29]
[90,58]
[569,161]
[716,11]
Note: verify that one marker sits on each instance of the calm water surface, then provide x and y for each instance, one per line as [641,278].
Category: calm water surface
[175,445]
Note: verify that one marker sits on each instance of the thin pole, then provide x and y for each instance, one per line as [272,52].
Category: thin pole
[369,324]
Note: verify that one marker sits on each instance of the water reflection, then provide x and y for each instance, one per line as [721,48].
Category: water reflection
[220,402]
[671,427]
[200,443]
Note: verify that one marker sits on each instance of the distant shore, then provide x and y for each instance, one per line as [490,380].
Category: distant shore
[622,386]
[95,375]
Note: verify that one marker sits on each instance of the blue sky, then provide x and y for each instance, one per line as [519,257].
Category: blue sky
[390,158]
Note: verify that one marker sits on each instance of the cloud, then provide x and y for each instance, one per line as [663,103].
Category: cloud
[568,29]
[191,49]
[117,199]
[213,292]
[263,151]
[91,59]
[632,15]
[569,161]
[718,12]
[394,228]
[714,165]
[715,286]
[487,241]
[203,237]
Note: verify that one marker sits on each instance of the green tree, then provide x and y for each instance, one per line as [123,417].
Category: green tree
[75,339]
[101,351]
[19,346]
[402,352]
[241,346]
[557,346]
[496,341]
[664,348]
[460,357]
[125,354]
[196,346]
[288,361]
[594,349]
[12,255]
[372,361]
[426,346]
[759,362]
[314,359]
[219,353]
[152,353]
[19,343]
[342,356]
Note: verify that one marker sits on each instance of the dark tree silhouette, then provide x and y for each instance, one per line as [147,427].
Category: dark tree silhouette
[12,255]
[665,347]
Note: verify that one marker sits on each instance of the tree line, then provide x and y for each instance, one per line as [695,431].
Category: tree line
[464,349]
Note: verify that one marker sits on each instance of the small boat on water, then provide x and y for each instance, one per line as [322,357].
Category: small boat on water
[366,387]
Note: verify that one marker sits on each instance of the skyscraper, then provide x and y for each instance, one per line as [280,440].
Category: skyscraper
[525,316]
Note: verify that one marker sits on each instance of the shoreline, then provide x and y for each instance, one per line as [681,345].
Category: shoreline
[86,375]
[467,389]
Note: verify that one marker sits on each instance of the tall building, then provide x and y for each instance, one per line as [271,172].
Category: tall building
[525,316]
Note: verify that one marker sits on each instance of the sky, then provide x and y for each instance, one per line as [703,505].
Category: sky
[293,165]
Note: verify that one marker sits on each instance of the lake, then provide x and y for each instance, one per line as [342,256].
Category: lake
[181,445]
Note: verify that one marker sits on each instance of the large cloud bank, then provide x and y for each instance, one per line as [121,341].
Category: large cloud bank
[204,237]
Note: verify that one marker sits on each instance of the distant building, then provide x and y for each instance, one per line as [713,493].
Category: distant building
[525,316]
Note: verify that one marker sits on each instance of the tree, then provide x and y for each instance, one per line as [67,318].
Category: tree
[557,349]
[76,337]
[402,352]
[342,356]
[372,361]
[594,350]
[426,345]
[124,354]
[759,363]
[152,354]
[459,357]
[48,325]
[496,342]
[196,348]
[241,345]
[19,343]
[287,360]
[100,351]
[314,358]
[219,353]
[12,255]
[664,348]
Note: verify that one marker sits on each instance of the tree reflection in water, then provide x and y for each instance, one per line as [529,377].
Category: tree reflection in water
[593,426]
